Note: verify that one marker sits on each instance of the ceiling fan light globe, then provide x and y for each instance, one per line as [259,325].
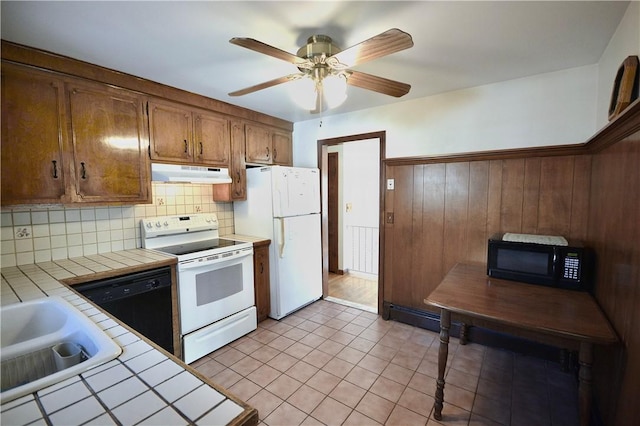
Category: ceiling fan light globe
[303,92]
[334,90]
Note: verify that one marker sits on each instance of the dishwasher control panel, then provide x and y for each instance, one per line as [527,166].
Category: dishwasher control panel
[108,290]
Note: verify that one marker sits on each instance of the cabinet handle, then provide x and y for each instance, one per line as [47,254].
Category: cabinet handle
[186,146]
[55,169]
[83,174]
[268,152]
[239,177]
[275,154]
[200,148]
[261,267]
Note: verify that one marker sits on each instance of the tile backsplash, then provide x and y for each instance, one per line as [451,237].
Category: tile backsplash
[42,234]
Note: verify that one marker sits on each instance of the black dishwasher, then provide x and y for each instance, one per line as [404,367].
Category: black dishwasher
[141,300]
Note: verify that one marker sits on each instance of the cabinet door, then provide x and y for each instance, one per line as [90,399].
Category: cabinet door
[258,144]
[110,143]
[170,133]
[282,152]
[32,136]
[211,142]
[238,168]
[261,281]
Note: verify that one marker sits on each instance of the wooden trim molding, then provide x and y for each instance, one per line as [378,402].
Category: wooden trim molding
[63,64]
[322,145]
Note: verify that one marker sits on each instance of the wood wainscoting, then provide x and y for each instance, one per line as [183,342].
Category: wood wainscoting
[445,212]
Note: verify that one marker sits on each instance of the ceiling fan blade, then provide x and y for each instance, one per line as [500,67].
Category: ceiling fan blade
[265,49]
[378,84]
[266,84]
[383,44]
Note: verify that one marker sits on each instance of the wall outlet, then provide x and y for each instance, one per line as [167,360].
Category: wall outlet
[391,184]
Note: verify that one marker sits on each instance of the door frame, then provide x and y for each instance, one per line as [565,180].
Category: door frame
[323,144]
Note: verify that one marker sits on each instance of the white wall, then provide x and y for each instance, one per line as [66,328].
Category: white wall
[546,109]
[625,42]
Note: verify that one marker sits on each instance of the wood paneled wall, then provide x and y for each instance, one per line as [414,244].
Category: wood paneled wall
[444,213]
[614,232]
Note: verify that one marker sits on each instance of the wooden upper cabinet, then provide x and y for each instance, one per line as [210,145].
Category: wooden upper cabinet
[258,144]
[267,146]
[183,135]
[65,140]
[170,132]
[282,150]
[211,139]
[237,189]
[32,136]
[108,132]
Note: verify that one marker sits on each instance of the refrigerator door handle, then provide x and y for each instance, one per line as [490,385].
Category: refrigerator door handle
[282,238]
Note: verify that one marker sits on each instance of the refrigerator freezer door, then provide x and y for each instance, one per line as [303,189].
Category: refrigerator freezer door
[296,269]
[253,216]
[296,191]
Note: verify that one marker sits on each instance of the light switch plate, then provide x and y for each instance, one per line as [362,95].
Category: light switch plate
[390,184]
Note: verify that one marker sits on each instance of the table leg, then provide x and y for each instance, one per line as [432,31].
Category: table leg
[584,386]
[464,333]
[445,324]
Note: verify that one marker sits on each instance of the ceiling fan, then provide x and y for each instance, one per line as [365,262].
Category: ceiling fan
[324,66]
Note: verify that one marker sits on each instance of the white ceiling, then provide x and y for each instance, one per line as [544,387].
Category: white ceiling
[186,44]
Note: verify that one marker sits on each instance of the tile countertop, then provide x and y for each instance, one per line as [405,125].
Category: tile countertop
[144,385]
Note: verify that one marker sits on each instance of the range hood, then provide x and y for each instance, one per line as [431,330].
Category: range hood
[190,174]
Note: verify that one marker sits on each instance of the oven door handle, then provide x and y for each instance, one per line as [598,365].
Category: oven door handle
[220,261]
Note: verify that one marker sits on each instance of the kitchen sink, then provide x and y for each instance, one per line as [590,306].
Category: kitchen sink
[45,341]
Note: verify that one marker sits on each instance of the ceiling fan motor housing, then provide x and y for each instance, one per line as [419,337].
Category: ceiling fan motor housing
[318,48]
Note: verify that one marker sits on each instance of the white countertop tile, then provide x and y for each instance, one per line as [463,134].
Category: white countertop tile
[138,408]
[196,403]
[178,386]
[168,416]
[78,413]
[63,397]
[122,392]
[145,361]
[108,377]
[22,413]
[133,350]
[222,414]
[160,372]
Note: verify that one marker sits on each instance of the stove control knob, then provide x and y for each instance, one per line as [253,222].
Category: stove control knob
[208,219]
[158,225]
[166,223]
[149,225]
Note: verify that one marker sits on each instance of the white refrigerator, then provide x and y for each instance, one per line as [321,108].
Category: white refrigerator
[283,205]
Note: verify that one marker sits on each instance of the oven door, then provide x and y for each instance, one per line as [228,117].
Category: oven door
[211,290]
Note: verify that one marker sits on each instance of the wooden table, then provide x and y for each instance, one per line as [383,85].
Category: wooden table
[564,318]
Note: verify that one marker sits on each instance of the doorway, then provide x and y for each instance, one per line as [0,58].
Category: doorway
[351,170]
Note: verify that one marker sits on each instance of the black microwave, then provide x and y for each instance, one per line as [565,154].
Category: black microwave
[568,267]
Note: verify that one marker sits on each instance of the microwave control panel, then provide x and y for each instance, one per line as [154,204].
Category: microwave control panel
[571,268]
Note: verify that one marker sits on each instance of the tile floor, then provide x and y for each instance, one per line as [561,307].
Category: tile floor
[332,364]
